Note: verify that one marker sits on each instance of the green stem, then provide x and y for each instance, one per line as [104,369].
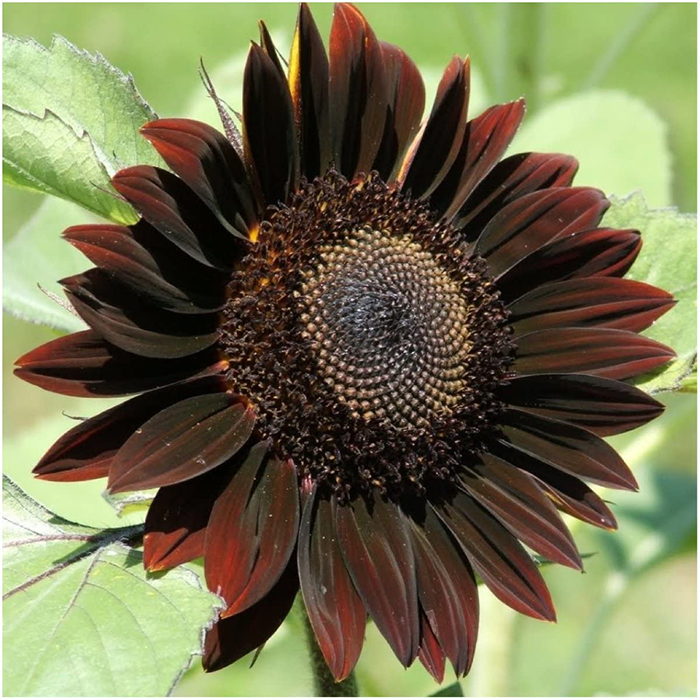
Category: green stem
[325,686]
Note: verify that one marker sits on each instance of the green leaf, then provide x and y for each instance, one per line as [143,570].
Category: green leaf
[44,154]
[667,260]
[130,502]
[621,144]
[70,120]
[38,255]
[82,618]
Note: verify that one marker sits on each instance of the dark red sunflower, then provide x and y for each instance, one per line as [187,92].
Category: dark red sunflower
[371,357]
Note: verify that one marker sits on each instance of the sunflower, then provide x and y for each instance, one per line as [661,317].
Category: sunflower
[371,359]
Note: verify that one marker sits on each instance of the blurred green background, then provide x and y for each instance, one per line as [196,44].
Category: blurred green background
[614,84]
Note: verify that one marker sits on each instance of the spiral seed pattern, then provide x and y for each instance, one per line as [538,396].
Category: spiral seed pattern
[389,328]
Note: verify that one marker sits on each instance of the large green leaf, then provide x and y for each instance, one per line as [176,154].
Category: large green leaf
[621,144]
[82,618]
[668,260]
[70,120]
[44,154]
[38,255]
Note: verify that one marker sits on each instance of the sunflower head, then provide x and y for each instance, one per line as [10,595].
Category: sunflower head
[371,357]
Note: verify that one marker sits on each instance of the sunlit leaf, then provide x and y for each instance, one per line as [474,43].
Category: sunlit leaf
[668,260]
[70,120]
[80,615]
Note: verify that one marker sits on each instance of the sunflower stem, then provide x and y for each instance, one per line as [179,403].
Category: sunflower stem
[325,686]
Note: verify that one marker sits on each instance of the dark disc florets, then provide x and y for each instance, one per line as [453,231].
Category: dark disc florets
[368,338]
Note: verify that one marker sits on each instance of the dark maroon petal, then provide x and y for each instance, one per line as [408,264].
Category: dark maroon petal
[358,91]
[603,352]
[268,46]
[603,406]
[567,447]
[376,545]
[86,451]
[406,102]
[567,492]
[430,654]
[604,302]
[176,522]
[182,441]
[125,320]
[335,610]
[308,83]
[209,164]
[534,220]
[518,502]
[269,133]
[172,207]
[434,150]
[117,252]
[233,637]
[506,568]
[447,592]
[513,177]
[252,530]
[82,364]
[599,253]
[485,140]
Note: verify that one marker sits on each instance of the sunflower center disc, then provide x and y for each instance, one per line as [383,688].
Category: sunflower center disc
[367,338]
[389,328]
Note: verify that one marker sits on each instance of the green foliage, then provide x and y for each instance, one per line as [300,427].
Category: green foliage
[668,260]
[130,502]
[83,617]
[42,153]
[70,120]
[38,255]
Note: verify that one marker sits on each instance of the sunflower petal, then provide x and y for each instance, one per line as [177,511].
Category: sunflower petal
[269,134]
[206,161]
[603,406]
[82,364]
[86,451]
[602,352]
[172,208]
[516,500]
[233,637]
[569,448]
[437,145]
[124,320]
[184,440]
[498,557]
[603,302]
[376,546]
[534,220]
[358,91]
[406,100]
[485,140]
[430,654]
[118,253]
[176,523]
[596,253]
[252,530]
[567,492]
[308,84]
[510,179]
[335,610]
[447,592]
